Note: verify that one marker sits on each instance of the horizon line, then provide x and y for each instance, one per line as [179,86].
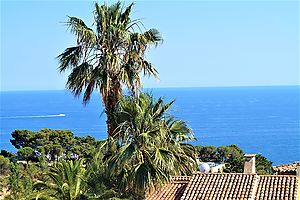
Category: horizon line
[171,87]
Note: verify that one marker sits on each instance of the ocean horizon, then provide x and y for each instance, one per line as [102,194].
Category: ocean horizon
[259,119]
[169,87]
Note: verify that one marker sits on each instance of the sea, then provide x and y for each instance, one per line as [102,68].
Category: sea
[260,120]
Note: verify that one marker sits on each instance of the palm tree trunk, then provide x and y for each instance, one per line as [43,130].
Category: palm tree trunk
[111,102]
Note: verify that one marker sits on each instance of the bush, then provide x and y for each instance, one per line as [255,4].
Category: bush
[4,166]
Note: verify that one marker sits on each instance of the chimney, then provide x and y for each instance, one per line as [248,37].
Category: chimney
[249,167]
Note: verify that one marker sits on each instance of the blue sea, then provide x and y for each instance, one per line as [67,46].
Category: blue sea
[261,120]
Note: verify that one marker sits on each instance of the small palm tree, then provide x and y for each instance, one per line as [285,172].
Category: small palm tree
[107,56]
[100,184]
[153,145]
[67,181]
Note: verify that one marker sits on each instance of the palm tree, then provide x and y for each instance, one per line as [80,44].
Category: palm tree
[66,181]
[153,145]
[108,55]
[101,184]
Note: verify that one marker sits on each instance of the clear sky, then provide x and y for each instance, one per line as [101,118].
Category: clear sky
[206,43]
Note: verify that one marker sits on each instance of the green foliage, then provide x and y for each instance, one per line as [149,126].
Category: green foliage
[263,165]
[52,144]
[26,138]
[108,55]
[25,153]
[21,138]
[7,154]
[220,154]
[54,151]
[85,147]
[101,183]
[4,166]
[234,165]
[152,145]
[149,146]
[152,149]
[233,156]
[228,153]
[67,180]
[4,172]
[20,185]
[207,153]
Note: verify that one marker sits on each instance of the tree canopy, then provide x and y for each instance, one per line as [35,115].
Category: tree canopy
[52,144]
[234,158]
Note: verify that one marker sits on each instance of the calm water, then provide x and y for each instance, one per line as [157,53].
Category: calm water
[258,119]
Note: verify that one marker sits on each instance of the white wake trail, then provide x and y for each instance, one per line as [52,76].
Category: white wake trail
[33,116]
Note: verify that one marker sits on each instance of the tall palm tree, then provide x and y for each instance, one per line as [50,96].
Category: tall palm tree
[108,55]
[153,145]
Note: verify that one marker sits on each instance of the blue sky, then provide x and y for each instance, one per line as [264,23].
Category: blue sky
[206,43]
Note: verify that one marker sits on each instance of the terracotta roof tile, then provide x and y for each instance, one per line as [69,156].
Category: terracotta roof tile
[221,186]
[235,186]
[286,167]
[171,191]
[277,188]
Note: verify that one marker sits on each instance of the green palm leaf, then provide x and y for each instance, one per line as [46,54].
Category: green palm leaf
[66,180]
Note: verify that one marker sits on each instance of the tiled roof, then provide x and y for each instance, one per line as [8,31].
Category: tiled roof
[235,186]
[171,191]
[221,186]
[286,167]
[277,188]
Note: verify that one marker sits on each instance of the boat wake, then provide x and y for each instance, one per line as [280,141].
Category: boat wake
[33,116]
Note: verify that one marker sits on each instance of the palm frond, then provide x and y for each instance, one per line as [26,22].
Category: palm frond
[148,69]
[67,179]
[125,16]
[79,78]
[69,58]
[83,33]
[152,36]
